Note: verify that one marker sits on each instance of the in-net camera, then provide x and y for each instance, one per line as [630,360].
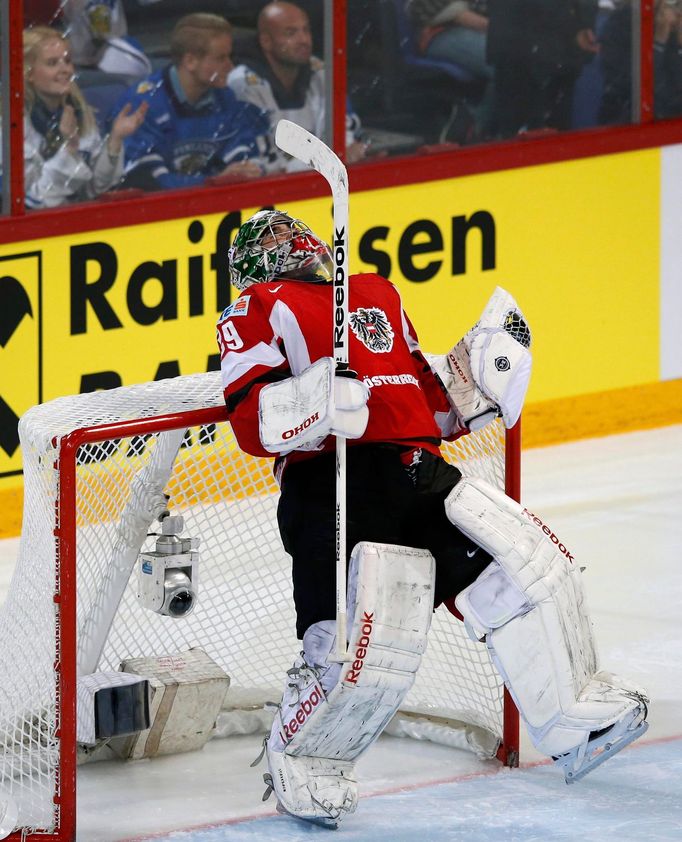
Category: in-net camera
[168,575]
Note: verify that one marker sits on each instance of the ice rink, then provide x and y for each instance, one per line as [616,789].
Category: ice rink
[617,503]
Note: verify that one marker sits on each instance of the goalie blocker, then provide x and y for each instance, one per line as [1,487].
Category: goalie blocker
[298,413]
[332,712]
[529,605]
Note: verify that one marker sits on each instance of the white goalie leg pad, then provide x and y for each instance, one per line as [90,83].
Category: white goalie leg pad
[331,713]
[530,606]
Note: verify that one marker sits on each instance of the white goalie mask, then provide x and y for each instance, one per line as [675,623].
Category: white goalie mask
[272,244]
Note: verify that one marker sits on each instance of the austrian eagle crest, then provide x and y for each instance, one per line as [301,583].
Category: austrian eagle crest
[372,328]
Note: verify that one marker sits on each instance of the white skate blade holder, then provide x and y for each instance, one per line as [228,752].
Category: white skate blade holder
[318,821]
[585,758]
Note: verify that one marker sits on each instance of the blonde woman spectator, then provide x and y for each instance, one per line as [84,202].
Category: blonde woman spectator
[65,157]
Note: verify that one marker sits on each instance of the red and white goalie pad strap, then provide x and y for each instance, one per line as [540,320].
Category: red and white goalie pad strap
[300,412]
[323,726]
[530,606]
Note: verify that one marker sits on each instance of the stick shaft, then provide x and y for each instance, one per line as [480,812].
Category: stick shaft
[340,329]
[341,585]
[305,147]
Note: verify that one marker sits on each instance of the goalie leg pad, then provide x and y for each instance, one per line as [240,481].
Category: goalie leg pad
[530,606]
[331,713]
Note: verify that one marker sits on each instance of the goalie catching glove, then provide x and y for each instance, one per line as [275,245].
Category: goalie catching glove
[300,412]
[486,374]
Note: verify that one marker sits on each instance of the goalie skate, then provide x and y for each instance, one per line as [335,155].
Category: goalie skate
[331,823]
[602,745]
[319,783]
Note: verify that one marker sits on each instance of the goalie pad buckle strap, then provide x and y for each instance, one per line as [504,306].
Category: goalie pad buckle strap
[330,714]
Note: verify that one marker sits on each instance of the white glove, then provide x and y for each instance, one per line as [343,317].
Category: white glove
[486,373]
[350,407]
[300,412]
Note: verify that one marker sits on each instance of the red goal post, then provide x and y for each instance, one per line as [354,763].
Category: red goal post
[93,465]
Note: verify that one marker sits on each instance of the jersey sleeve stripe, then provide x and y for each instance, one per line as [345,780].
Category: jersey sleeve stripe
[237,364]
[284,323]
[236,397]
[412,343]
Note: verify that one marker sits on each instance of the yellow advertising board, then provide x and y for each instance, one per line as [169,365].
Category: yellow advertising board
[20,349]
[577,243]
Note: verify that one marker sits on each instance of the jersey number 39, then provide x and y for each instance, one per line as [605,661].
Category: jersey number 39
[228,338]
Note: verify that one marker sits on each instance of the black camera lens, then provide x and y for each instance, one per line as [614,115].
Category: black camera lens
[179,593]
[180,603]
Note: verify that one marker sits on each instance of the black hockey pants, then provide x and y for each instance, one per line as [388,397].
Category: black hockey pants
[387,503]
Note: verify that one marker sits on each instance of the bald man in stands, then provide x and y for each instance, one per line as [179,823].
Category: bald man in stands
[281,75]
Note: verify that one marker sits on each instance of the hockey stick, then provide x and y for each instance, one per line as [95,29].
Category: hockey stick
[304,146]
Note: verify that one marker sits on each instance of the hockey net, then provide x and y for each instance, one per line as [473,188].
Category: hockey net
[95,468]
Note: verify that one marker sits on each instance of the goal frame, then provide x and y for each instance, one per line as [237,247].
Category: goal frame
[65,600]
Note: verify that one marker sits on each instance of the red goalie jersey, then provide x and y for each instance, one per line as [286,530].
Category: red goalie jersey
[277,329]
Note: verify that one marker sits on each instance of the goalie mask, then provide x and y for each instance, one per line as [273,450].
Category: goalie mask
[272,244]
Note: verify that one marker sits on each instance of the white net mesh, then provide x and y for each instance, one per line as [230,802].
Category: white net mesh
[244,616]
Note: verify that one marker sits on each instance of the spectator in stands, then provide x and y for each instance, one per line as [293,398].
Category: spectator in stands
[616,58]
[196,128]
[282,76]
[65,157]
[456,32]
[667,59]
[616,65]
[537,49]
[98,33]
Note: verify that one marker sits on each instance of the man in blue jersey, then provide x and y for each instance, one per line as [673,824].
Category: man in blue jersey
[195,127]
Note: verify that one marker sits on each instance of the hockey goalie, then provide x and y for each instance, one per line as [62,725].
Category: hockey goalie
[418,532]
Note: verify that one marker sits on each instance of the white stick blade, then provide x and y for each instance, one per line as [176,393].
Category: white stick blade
[294,139]
[309,149]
